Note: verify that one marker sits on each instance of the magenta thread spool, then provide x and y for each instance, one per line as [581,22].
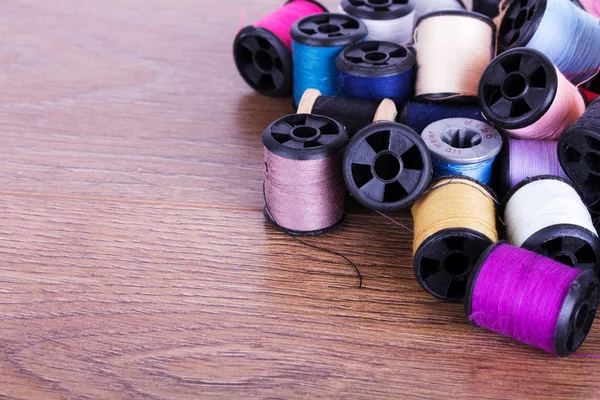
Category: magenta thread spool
[262,51]
[579,150]
[387,166]
[545,214]
[304,188]
[532,299]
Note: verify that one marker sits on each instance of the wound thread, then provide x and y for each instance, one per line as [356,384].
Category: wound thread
[532,299]
[417,115]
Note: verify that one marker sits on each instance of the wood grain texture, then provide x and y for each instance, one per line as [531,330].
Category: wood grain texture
[134,258]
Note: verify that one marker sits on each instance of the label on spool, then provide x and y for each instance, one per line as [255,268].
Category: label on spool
[462,140]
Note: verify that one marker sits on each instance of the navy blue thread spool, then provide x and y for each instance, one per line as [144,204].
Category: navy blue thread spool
[375,71]
[317,40]
[418,114]
[462,146]
[387,20]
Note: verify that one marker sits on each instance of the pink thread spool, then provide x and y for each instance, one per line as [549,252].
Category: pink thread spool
[532,299]
[262,52]
[522,92]
[304,187]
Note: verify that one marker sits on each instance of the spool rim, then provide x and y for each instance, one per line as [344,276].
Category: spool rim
[520,22]
[263,61]
[488,147]
[462,244]
[386,11]
[304,137]
[386,166]
[354,59]
[328,30]
[535,79]
[578,148]
[459,13]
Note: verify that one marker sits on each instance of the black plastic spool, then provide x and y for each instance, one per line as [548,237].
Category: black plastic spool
[328,30]
[577,313]
[517,88]
[379,10]
[579,154]
[569,244]
[387,166]
[520,22]
[264,61]
[452,97]
[443,262]
[304,137]
[374,59]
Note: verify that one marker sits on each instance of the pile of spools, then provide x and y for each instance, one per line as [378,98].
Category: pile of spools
[471,123]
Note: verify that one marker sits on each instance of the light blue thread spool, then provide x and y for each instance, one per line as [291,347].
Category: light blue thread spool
[566,34]
[376,70]
[317,40]
[462,146]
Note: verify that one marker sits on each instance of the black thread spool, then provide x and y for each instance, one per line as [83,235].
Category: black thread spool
[352,113]
[577,313]
[517,88]
[443,262]
[264,61]
[579,150]
[304,137]
[374,70]
[569,244]
[387,166]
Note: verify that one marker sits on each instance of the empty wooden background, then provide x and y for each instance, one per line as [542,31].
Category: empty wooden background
[134,258]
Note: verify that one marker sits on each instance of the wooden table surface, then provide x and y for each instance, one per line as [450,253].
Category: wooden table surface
[134,257]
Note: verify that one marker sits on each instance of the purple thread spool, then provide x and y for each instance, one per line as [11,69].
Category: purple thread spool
[532,299]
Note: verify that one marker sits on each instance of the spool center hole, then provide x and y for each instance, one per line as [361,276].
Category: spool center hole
[581,316]
[514,85]
[461,138]
[263,60]
[520,20]
[457,264]
[564,258]
[375,56]
[592,161]
[305,132]
[387,166]
[329,28]
[378,2]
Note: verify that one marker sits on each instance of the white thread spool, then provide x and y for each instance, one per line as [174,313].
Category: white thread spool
[545,214]
[385,20]
[423,7]
[453,50]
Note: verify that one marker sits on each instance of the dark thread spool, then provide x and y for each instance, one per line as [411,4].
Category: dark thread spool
[305,138]
[387,166]
[568,243]
[576,313]
[579,150]
[263,60]
[417,115]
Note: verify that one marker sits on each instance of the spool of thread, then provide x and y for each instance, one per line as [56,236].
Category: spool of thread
[566,34]
[546,215]
[262,52]
[417,115]
[453,50]
[386,20]
[462,146]
[351,113]
[579,150]
[523,92]
[532,299]
[423,7]
[375,71]
[522,159]
[304,188]
[591,6]
[386,165]
[455,221]
[317,40]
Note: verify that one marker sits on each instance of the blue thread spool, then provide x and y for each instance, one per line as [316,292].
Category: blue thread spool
[317,40]
[417,115]
[462,146]
[566,34]
[375,71]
